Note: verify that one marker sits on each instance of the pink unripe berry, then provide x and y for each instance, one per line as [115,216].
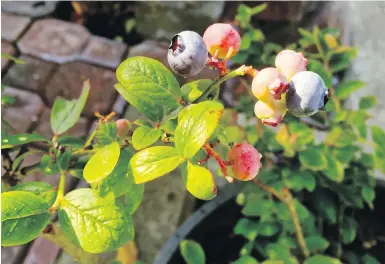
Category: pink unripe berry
[220,38]
[124,126]
[245,161]
[269,83]
[290,62]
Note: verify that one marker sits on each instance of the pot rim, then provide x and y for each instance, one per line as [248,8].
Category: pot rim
[228,192]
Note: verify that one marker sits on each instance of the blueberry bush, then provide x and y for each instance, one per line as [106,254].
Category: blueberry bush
[297,186]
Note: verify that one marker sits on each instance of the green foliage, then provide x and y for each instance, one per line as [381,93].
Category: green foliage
[95,224]
[310,192]
[24,215]
[195,126]
[192,252]
[10,141]
[149,86]
[151,163]
[145,136]
[200,182]
[41,189]
[66,113]
[102,163]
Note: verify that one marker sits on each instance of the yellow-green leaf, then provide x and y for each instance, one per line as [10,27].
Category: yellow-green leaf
[195,126]
[200,182]
[151,163]
[334,170]
[102,163]
[145,136]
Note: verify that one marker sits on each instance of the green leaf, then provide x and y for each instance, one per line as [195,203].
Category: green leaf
[268,229]
[169,126]
[298,180]
[345,154]
[305,134]
[145,136]
[334,170]
[346,88]
[48,166]
[316,243]
[13,140]
[340,137]
[313,159]
[367,102]
[378,136]
[367,160]
[273,262]
[149,86]
[258,207]
[102,163]
[305,33]
[7,100]
[95,224]
[369,259]
[192,252]
[341,58]
[65,113]
[120,179]
[42,189]
[368,194]
[200,182]
[325,206]
[348,230]
[379,157]
[134,196]
[247,228]
[63,160]
[322,259]
[317,67]
[258,9]
[151,163]
[24,216]
[107,133]
[193,90]
[74,142]
[245,260]
[3,187]
[195,126]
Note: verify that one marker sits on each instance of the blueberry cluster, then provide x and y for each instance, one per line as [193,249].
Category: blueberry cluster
[285,87]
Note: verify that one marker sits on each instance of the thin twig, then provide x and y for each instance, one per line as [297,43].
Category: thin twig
[287,198]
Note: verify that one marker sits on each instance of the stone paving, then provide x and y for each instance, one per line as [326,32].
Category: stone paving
[58,56]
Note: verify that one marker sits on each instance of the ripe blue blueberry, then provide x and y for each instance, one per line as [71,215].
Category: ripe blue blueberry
[187,53]
[307,94]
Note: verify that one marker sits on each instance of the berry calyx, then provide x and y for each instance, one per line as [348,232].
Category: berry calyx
[307,94]
[222,40]
[270,114]
[124,126]
[269,84]
[187,53]
[245,161]
[290,62]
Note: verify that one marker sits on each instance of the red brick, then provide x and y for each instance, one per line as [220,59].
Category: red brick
[31,75]
[68,80]
[24,111]
[54,40]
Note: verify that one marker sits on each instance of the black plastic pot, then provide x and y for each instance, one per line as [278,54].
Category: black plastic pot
[213,223]
[210,225]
